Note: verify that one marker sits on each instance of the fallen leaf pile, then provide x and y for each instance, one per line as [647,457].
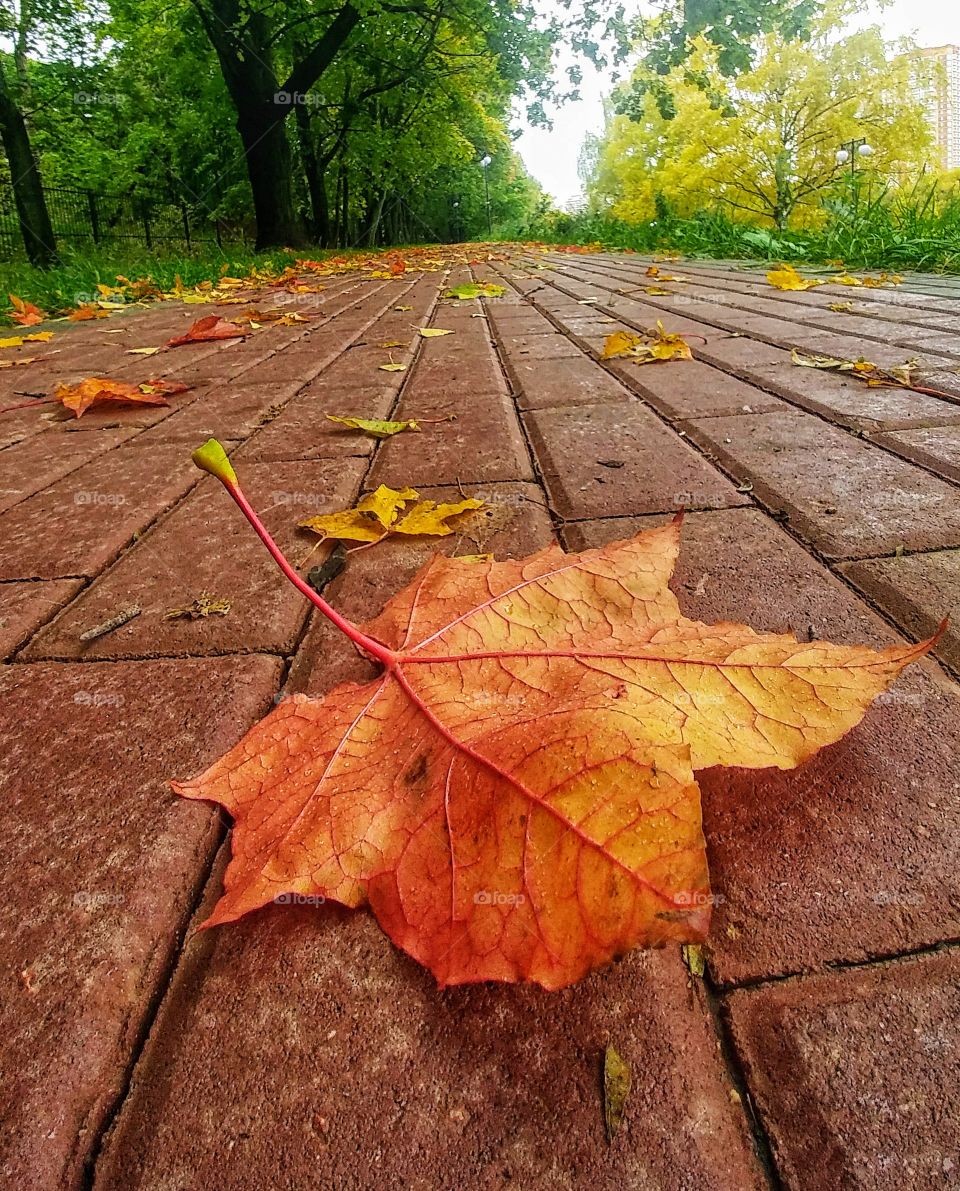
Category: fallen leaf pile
[304,276]
[514,795]
[904,376]
[652,347]
[384,512]
[884,279]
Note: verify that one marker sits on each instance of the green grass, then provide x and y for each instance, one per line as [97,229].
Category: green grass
[75,280]
[919,231]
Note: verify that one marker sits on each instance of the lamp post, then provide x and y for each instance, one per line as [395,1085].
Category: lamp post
[851,150]
[485,162]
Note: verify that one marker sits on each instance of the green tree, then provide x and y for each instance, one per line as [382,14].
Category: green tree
[769,150]
[26,25]
[730,28]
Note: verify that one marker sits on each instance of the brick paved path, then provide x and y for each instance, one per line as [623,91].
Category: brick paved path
[298,1049]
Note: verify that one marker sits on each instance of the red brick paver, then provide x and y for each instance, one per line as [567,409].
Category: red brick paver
[298,1047]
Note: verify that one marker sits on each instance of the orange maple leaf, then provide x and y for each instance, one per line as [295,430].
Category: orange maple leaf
[96,390]
[86,312]
[210,327]
[25,313]
[514,795]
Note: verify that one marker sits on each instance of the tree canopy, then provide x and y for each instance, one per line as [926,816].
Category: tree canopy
[764,144]
[301,122]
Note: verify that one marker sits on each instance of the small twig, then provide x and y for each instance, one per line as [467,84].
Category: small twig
[39,400]
[108,626]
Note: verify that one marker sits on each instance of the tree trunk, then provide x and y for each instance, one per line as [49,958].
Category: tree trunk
[313,173]
[35,226]
[375,218]
[269,167]
[345,237]
[243,43]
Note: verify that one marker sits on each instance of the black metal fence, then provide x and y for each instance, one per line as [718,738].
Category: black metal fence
[87,218]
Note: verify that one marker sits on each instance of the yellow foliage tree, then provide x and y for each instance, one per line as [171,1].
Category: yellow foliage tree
[764,144]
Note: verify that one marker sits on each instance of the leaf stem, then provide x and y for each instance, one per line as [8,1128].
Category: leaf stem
[227,477]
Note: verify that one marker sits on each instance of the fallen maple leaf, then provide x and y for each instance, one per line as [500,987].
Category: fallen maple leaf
[433,332]
[20,340]
[653,346]
[654,271]
[514,794]
[86,312]
[384,512]
[841,307]
[210,327]
[373,427]
[96,390]
[25,313]
[787,277]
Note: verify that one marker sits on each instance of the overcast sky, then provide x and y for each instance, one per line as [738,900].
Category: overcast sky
[552,156]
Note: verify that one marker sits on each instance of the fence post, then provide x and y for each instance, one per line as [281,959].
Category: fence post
[94,216]
[216,228]
[146,230]
[186,223]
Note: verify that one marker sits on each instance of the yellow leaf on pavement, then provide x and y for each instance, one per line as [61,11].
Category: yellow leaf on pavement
[653,346]
[787,277]
[391,367]
[374,427]
[384,512]
[620,343]
[433,332]
[430,518]
[20,340]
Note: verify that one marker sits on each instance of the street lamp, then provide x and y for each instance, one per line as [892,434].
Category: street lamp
[485,162]
[851,150]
